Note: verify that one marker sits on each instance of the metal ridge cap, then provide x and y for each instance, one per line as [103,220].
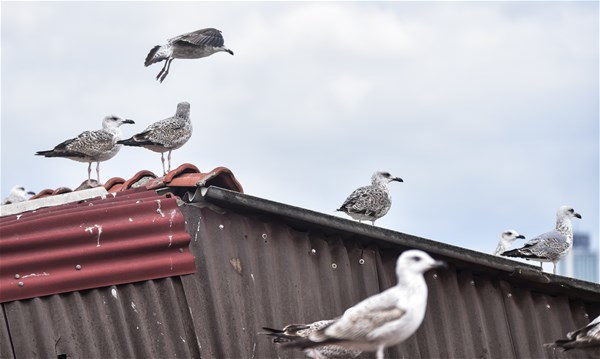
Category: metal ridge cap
[469,258]
[50,201]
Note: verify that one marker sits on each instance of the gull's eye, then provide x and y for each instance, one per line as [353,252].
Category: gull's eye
[416,259]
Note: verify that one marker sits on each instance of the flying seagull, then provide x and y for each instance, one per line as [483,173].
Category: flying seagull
[370,202]
[91,146]
[506,239]
[192,45]
[586,337]
[384,319]
[17,194]
[296,332]
[165,135]
[550,246]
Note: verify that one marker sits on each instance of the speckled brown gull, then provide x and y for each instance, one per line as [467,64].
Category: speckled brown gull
[506,239]
[370,202]
[296,332]
[165,135]
[550,246]
[193,45]
[384,319]
[17,194]
[91,146]
[586,337]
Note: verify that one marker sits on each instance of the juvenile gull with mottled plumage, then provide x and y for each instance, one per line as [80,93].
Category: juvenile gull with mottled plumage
[506,239]
[165,135]
[193,45]
[586,337]
[91,146]
[384,319]
[296,332]
[370,202]
[550,246]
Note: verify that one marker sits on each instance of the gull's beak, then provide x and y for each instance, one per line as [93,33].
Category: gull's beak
[439,264]
[577,215]
[397,179]
[521,236]
[128,121]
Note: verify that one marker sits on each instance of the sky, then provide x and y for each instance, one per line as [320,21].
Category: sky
[489,111]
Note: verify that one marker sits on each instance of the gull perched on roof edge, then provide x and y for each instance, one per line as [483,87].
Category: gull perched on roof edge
[550,246]
[193,45]
[91,146]
[370,202]
[165,135]
[384,319]
[506,239]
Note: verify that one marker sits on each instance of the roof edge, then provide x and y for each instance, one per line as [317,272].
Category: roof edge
[50,201]
[461,257]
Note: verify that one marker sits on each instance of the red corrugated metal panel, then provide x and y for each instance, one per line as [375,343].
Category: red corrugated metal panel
[126,237]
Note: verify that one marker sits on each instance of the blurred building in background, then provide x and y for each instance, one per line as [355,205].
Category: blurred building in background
[582,261]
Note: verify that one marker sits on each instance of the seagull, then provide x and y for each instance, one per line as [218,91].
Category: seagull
[17,194]
[550,246]
[165,135]
[506,239]
[91,146]
[588,336]
[370,202]
[384,319]
[295,332]
[192,45]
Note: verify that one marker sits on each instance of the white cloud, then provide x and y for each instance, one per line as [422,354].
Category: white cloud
[473,104]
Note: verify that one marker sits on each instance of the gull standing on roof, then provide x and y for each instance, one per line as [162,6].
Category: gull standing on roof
[165,135]
[297,332]
[17,194]
[384,319]
[550,246]
[91,146]
[586,337]
[370,202]
[506,239]
[192,45]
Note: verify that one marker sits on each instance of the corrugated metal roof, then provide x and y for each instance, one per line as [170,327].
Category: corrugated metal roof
[261,263]
[126,237]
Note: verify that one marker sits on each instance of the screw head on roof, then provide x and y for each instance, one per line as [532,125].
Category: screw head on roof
[78,267]
[361,261]
[17,276]
[180,250]
[21,284]
[333,265]
[313,251]
[221,226]
[264,236]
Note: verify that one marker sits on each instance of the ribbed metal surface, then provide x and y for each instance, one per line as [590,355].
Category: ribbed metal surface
[127,237]
[139,320]
[256,268]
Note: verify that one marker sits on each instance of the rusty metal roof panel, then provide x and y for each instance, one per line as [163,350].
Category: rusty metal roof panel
[125,237]
[257,271]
